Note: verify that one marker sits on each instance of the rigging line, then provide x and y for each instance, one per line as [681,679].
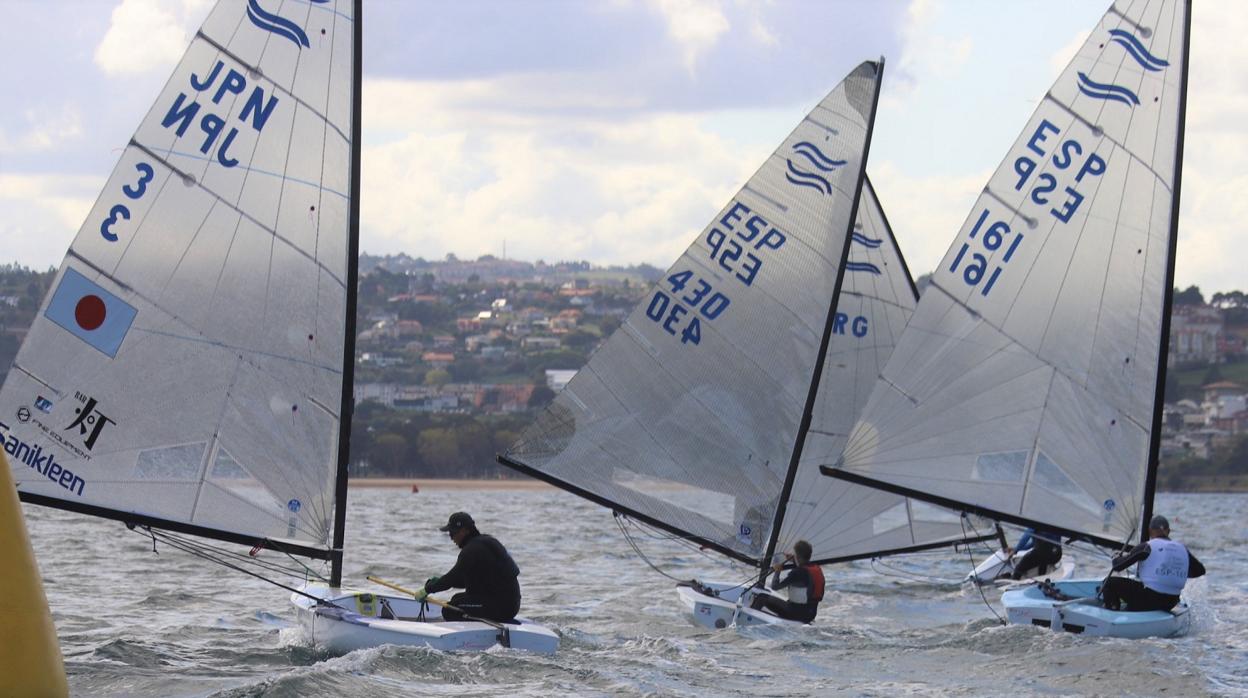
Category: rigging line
[237,568]
[965,520]
[878,566]
[637,550]
[659,534]
[263,564]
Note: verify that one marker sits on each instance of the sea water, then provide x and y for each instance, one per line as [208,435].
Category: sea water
[133,621]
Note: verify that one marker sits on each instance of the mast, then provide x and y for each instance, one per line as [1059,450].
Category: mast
[1154,443]
[813,392]
[353,271]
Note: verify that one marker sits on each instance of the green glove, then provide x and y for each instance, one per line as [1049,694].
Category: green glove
[432,580]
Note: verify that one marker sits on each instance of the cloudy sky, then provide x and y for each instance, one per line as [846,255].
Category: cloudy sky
[613,130]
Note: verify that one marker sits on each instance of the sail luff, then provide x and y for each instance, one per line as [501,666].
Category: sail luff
[817,373]
[888,229]
[347,408]
[1154,447]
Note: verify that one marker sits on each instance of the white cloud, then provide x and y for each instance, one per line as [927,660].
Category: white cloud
[925,51]
[43,213]
[463,180]
[1062,57]
[922,210]
[147,35]
[695,24]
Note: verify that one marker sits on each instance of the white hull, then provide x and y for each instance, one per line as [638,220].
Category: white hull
[996,565]
[358,620]
[729,607]
[1029,606]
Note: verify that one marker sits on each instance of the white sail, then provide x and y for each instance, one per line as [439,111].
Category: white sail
[188,364]
[841,520]
[1026,383]
[688,416]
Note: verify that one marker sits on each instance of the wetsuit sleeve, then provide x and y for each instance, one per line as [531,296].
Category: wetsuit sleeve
[797,577]
[457,577]
[1137,554]
[1194,568]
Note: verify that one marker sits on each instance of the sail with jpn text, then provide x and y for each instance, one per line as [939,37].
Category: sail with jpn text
[1028,384]
[186,370]
[693,415]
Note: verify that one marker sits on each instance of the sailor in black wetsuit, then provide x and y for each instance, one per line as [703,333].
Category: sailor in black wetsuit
[805,584]
[1165,567]
[1044,551]
[484,570]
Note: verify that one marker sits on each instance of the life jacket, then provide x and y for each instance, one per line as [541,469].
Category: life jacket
[1165,569]
[816,583]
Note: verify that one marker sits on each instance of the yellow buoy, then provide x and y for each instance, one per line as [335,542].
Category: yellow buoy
[30,658]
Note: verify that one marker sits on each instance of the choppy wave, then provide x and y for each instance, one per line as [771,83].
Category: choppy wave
[134,623]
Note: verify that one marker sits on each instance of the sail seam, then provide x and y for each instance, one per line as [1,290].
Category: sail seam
[263,226]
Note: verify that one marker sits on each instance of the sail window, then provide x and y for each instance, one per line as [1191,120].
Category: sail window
[224,467]
[1001,467]
[930,513]
[890,519]
[1050,476]
[171,463]
[716,506]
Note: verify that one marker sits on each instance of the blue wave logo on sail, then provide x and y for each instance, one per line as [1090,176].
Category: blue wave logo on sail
[863,266]
[816,157]
[806,178]
[866,241]
[1133,46]
[1112,93]
[277,24]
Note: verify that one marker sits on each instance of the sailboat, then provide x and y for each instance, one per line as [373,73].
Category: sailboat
[1028,385]
[706,413]
[190,372]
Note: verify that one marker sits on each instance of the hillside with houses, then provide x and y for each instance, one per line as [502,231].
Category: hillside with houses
[454,357]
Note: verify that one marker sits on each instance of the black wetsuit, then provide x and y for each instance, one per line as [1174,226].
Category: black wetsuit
[1132,591]
[798,578]
[1045,552]
[488,576]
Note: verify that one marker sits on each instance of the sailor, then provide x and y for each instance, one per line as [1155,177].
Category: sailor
[804,582]
[484,570]
[1165,567]
[1044,551]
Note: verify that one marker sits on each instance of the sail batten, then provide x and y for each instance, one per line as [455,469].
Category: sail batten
[188,369]
[1027,384]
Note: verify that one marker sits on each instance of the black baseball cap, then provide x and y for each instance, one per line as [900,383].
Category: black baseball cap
[1159,522]
[457,521]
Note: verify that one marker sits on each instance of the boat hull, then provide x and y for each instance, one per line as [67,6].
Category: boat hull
[988,570]
[359,620]
[729,606]
[1029,606]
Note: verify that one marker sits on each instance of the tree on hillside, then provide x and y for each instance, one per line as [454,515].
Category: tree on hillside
[1230,299]
[1188,296]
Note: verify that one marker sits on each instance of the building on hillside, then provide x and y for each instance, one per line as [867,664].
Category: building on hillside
[438,359]
[1215,391]
[379,359]
[502,398]
[1195,331]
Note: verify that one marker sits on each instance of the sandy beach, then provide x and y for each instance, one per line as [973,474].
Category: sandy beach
[437,484]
